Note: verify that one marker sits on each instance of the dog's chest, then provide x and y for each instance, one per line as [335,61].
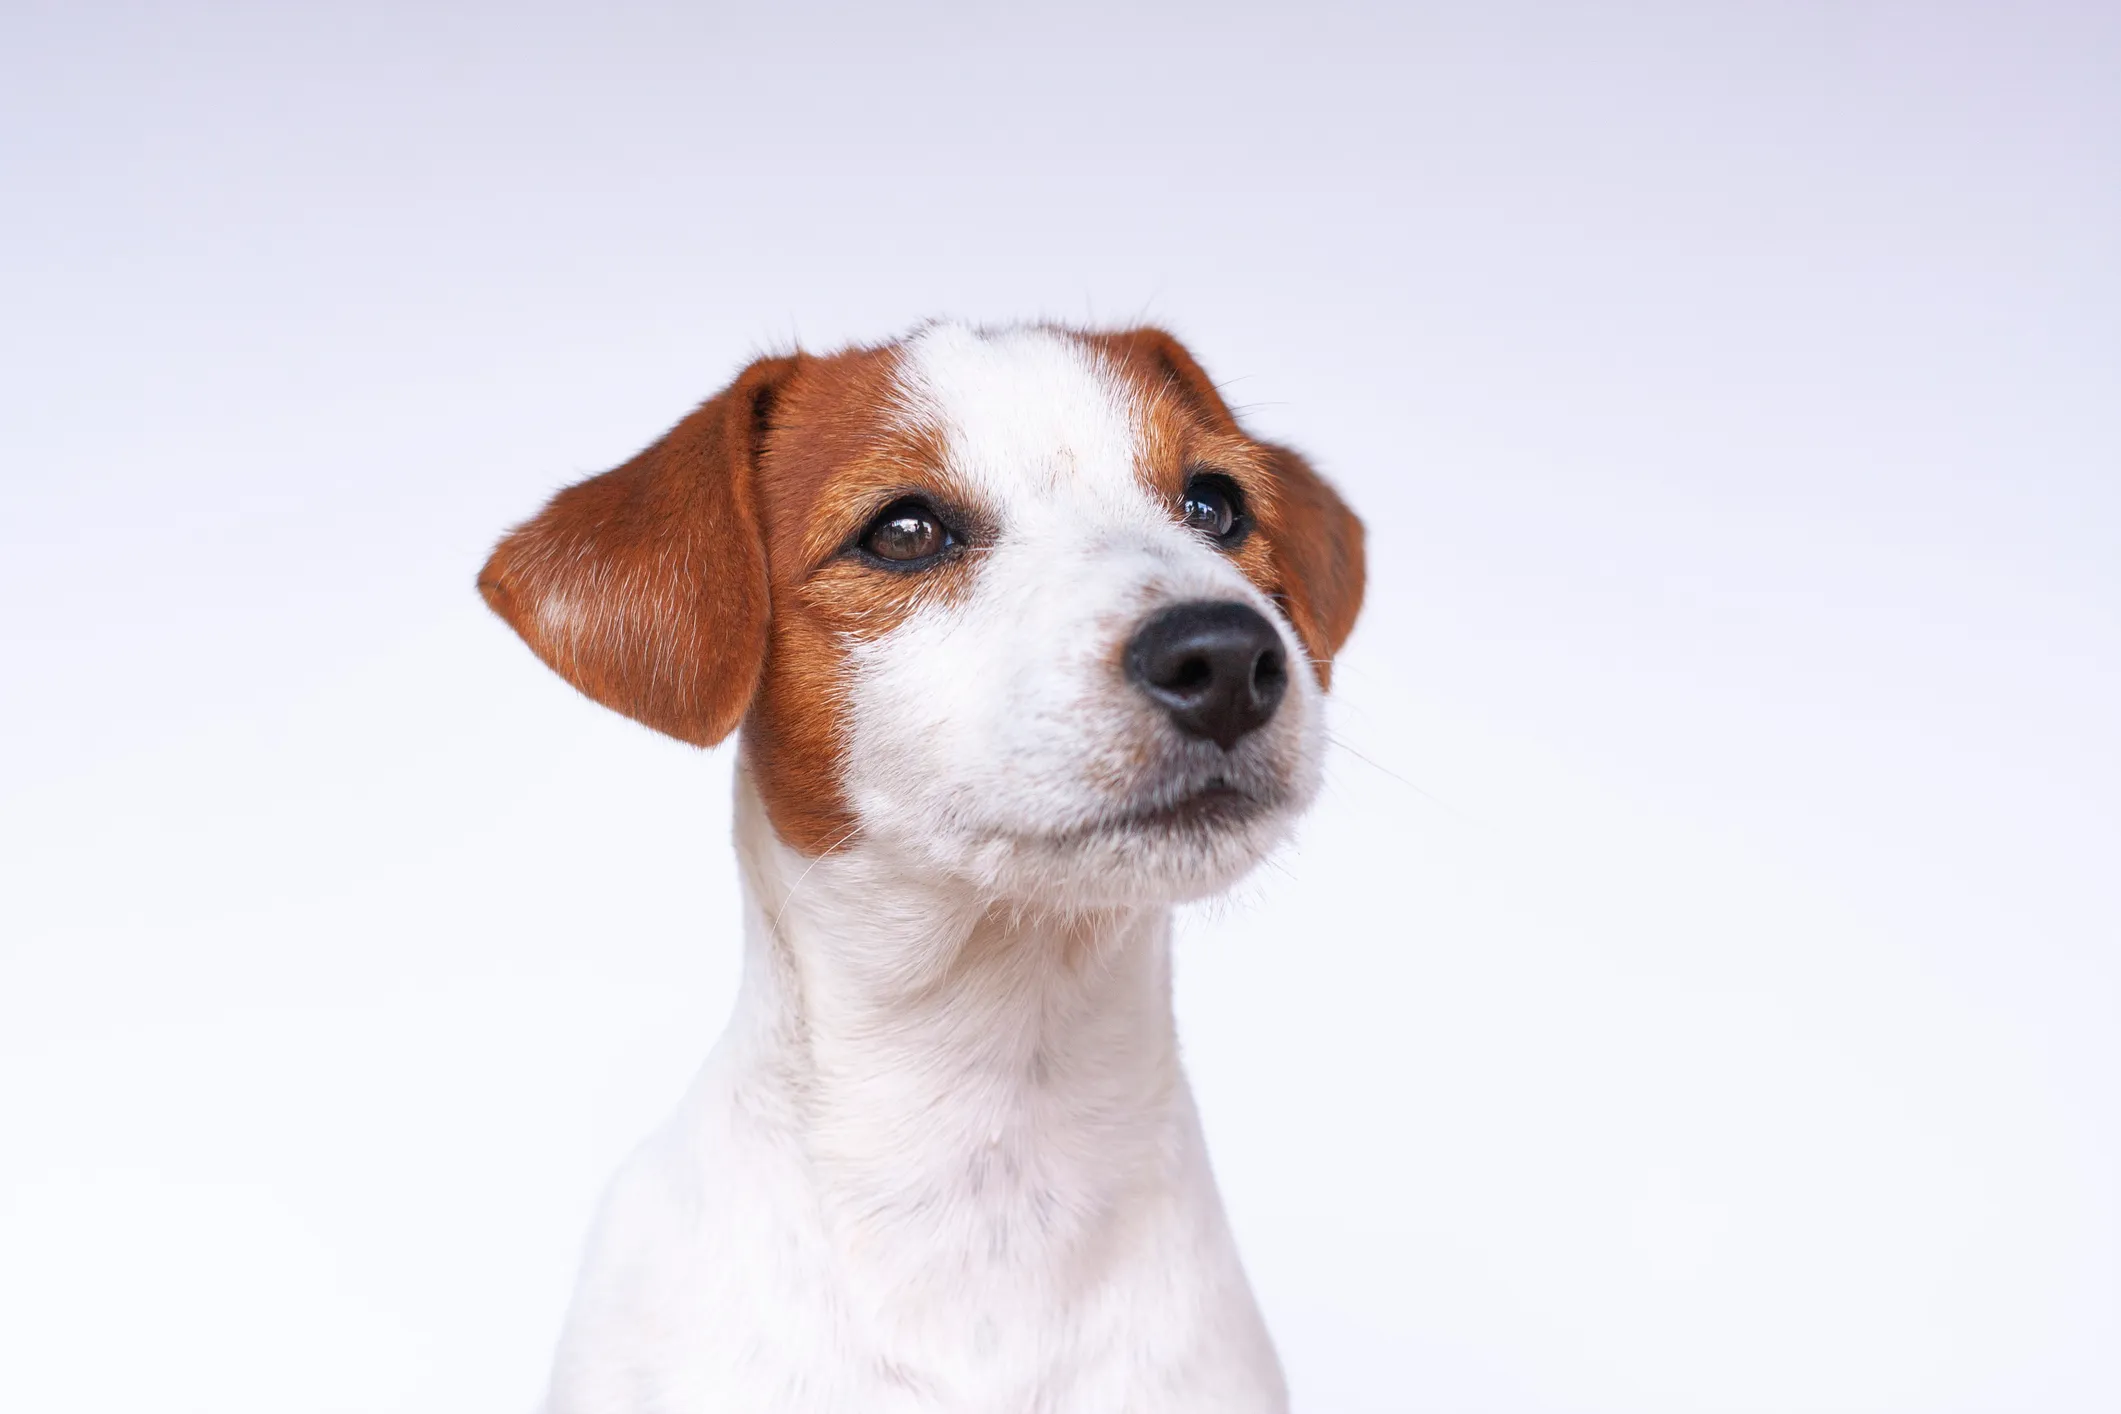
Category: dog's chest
[723,1283]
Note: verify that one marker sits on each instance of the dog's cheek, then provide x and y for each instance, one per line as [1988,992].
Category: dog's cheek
[927,705]
[794,740]
[802,733]
[976,718]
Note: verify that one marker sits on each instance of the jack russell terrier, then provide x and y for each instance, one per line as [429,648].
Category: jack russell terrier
[1028,642]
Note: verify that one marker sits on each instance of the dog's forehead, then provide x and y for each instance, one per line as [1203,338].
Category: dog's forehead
[1026,413]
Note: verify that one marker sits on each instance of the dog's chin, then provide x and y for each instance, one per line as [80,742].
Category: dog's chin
[1171,846]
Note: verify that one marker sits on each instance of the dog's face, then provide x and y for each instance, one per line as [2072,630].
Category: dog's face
[1024,608]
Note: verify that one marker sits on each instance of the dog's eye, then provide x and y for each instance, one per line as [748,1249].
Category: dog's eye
[1215,507]
[907,532]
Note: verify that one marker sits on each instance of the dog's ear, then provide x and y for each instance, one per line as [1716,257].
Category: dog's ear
[647,587]
[1318,554]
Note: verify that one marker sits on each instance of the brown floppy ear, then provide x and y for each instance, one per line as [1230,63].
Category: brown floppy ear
[1318,554]
[646,587]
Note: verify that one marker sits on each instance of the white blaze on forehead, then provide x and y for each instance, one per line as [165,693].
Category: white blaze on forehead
[1026,412]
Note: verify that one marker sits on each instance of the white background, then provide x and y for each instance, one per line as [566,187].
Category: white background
[1698,990]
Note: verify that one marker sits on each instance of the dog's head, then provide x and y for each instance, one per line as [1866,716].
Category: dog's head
[1026,607]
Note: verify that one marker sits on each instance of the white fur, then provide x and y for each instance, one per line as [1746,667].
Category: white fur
[944,1158]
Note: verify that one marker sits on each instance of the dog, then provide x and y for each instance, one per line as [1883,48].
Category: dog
[1025,640]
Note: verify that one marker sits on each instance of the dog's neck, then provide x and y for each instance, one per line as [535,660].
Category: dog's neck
[1002,1082]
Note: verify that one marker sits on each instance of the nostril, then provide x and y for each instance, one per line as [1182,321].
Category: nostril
[1270,674]
[1192,673]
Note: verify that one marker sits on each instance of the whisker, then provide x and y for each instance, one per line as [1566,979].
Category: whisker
[1440,802]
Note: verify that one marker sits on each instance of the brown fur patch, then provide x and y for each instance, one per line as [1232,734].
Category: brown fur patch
[1306,550]
[837,451]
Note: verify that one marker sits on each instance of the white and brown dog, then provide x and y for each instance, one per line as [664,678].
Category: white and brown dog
[1027,640]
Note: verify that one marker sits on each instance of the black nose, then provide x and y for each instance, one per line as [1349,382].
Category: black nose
[1217,669]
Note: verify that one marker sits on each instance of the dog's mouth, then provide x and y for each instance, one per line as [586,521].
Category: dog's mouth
[1215,804]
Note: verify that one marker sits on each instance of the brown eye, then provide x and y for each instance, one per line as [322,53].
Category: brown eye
[906,532]
[1215,507]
